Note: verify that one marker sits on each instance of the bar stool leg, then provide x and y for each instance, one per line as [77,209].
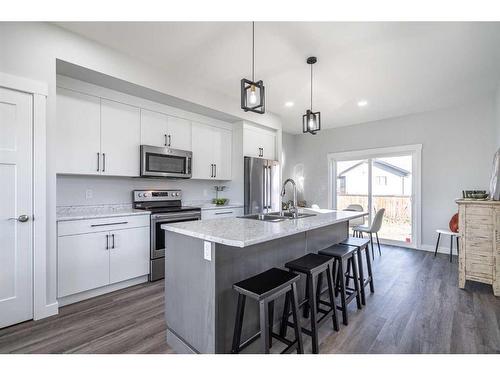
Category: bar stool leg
[264,326]
[348,272]
[335,318]
[238,324]
[271,321]
[437,244]
[284,318]
[296,320]
[369,267]
[305,308]
[319,288]
[361,276]
[312,306]
[341,287]
[356,279]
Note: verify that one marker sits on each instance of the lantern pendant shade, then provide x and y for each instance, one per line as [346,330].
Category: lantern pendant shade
[311,122]
[253,96]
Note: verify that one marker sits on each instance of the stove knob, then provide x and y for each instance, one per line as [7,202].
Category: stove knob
[176,194]
[139,195]
[145,195]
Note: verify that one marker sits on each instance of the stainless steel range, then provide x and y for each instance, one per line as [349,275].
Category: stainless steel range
[166,207]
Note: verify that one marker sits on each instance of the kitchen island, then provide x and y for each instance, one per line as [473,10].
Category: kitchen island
[203,259]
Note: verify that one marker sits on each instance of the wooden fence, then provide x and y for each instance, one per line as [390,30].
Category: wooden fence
[397,207]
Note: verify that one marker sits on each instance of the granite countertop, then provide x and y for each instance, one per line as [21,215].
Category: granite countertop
[241,232]
[67,213]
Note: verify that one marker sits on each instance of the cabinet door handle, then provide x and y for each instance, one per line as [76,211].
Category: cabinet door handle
[165,140]
[107,241]
[113,239]
[103,162]
[98,161]
[215,170]
[105,224]
[211,170]
[169,140]
[224,213]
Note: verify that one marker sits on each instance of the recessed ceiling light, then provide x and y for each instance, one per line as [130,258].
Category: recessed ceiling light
[289,104]
[362,103]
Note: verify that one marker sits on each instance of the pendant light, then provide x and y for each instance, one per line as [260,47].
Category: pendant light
[252,93]
[311,121]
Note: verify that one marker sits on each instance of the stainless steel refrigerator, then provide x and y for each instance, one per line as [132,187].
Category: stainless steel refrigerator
[262,190]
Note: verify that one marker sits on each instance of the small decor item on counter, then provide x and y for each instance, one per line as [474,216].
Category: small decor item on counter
[475,194]
[454,223]
[219,201]
[495,178]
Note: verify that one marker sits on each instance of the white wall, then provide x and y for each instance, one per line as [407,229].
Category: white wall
[458,147]
[497,118]
[30,50]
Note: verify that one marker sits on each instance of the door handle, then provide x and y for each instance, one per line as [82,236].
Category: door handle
[103,162]
[169,140]
[113,239]
[98,161]
[107,241]
[211,170]
[20,218]
[165,140]
[215,170]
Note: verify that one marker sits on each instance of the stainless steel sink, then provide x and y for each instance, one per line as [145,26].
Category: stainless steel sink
[275,217]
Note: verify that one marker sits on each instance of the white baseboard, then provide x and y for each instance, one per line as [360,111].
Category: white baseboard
[46,311]
[68,300]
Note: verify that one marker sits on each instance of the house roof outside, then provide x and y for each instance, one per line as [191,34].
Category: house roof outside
[382,165]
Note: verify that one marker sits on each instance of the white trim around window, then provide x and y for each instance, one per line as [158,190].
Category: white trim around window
[415,150]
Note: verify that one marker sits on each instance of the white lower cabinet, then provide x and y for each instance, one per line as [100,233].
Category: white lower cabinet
[82,263]
[97,252]
[129,254]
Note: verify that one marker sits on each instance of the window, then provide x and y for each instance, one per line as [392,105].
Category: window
[386,178]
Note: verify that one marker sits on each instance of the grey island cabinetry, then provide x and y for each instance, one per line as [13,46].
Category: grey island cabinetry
[205,258]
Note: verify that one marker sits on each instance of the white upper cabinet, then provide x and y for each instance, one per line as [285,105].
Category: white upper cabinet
[120,139]
[161,130]
[153,128]
[222,147]
[179,133]
[202,148]
[78,132]
[259,143]
[212,151]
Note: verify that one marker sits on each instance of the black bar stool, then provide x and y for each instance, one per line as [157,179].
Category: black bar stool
[344,253]
[265,288]
[362,245]
[312,265]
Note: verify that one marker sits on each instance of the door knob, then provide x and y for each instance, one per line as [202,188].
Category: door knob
[21,218]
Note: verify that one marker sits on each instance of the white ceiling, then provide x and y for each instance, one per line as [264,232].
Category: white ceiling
[399,68]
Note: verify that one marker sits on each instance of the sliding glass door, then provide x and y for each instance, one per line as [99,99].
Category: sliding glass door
[376,179]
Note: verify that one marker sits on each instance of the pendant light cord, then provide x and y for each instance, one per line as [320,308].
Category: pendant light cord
[311,87]
[253,51]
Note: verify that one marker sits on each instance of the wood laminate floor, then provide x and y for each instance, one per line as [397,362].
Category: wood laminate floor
[417,308]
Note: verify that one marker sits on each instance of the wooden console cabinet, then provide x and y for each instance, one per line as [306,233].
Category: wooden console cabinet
[479,257]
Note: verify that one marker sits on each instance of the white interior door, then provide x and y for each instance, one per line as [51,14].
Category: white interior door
[16,295]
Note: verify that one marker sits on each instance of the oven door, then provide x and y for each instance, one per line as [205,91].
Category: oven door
[158,234]
[165,162]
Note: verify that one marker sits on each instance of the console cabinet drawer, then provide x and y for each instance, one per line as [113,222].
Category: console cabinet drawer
[66,228]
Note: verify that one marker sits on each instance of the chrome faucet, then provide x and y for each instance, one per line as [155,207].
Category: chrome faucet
[293,210]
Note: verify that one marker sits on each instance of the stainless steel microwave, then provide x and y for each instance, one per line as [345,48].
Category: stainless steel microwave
[165,162]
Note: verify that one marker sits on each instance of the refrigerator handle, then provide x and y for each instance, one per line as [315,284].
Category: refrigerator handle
[264,190]
[270,185]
